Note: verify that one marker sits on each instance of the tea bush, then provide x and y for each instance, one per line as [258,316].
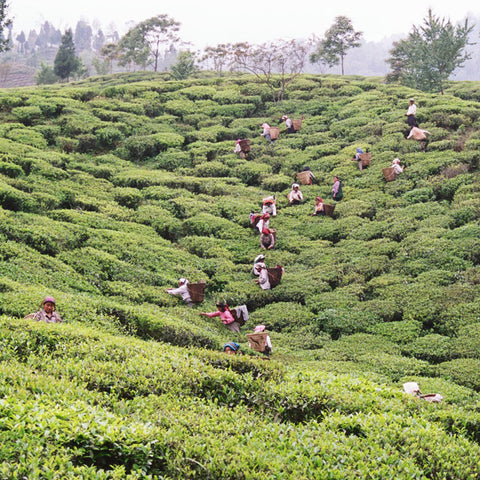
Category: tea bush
[113,188]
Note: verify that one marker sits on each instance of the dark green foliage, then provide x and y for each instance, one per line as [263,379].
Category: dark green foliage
[66,62]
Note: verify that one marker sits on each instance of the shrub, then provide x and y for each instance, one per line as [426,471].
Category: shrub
[463,371]
[139,148]
[27,136]
[27,115]
[433,348]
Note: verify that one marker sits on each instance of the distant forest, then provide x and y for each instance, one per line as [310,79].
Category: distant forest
[30,50]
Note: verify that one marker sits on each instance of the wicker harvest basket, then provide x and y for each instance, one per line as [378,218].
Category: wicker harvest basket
[274,276]
[389,174]
[274,132]
[297,124]
[257,341]
[366,159]
[196,291]
[245,145]
[238,318]
[328,209]
[305,178]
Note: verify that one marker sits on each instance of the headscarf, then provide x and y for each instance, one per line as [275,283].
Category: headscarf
[268,200]
[295,185]
[182,281]
[319,199]
[359,150]
[396,160]
[48,299]
[259,328]
[266,231]
[233,345]
[259,258]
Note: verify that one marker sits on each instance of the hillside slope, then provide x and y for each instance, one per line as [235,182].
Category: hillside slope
[113,188]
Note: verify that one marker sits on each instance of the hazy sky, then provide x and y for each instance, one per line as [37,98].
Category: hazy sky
[210,22]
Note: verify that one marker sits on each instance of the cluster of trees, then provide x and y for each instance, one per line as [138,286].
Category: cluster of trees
[425,59]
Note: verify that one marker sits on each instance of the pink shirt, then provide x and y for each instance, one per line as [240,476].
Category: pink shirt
[226,317]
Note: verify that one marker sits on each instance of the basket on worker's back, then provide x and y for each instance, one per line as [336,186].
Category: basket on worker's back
[389,174]
[274,276]
[274,132]
[257,341]
[197,291]
[328,209]
[240,315]
[297,124]
[245,145]
[366,159]
[305,177]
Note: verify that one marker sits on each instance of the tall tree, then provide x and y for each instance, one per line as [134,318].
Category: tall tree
[98,41]
[132,50]
[83,36]
[66,62]
[150,36]
[109,52]
[220,55]
[5,23]
[276,64]
[430,54]
[339,38]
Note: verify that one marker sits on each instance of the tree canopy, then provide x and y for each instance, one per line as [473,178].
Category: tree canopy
[430,54]
[143,43]
[5,23]
[66,62]
[339,38]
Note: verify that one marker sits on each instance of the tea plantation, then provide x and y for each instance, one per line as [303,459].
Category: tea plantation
[113,188]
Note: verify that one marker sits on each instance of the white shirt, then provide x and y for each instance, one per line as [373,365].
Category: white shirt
[181,290]
[412,109]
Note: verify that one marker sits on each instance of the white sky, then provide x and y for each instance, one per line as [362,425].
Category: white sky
[210,22]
